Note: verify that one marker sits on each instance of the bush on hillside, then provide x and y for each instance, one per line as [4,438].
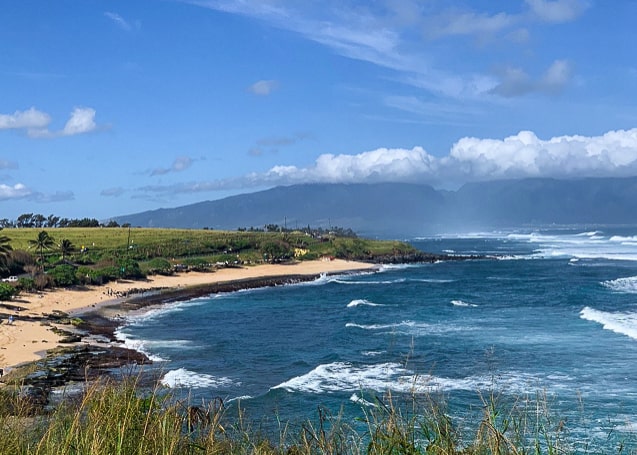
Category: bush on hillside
[159,266]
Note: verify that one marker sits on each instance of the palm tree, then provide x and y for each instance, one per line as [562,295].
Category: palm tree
[66,247]
[43,242]
[5,249]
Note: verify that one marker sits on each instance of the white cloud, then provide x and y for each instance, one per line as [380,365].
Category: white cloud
[16,191]
[557,11]
[263,88]
[27,120]
[525,155]
[613,154]
[82,121]
[391,34]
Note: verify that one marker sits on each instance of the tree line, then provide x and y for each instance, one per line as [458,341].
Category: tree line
[37,220]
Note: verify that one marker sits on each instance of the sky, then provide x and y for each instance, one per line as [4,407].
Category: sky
[113,107]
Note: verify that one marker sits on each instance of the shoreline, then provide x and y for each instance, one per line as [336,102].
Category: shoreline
[42,321]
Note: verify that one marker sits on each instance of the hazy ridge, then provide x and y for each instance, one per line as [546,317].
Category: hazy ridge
[390,209]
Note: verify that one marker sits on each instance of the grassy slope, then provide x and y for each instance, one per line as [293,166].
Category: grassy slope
[147,243]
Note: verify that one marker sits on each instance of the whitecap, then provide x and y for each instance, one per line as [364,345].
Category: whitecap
[346,377]
[240,398]
[409,324]
[410,328]
[462,303]
[622,323]
[626,285]
[182,377]
[357,302]
[589,234]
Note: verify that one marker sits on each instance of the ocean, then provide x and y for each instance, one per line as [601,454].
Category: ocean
[555,316]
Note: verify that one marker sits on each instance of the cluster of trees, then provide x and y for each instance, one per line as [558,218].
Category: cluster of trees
[60,272]
[314,232]
[37,220]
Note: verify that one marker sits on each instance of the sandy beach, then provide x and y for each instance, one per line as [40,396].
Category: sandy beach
[26,340]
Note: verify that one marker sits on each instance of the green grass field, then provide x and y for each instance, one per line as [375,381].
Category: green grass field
[144,244]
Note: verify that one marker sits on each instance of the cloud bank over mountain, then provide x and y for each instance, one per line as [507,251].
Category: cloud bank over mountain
[613,154]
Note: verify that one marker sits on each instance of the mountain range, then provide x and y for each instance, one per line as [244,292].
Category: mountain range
[407,209]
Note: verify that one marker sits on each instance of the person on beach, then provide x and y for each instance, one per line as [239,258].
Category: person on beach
[10,320]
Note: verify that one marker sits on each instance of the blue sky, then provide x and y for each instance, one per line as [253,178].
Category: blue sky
[114,107]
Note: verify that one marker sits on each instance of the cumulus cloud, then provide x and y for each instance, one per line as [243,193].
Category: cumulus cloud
[27,120]
[470,159]
[36,123]
[82,121]
[516,82]
[16,191]
[263,88]
[557,11]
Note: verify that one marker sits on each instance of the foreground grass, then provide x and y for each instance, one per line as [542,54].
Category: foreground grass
[117,418]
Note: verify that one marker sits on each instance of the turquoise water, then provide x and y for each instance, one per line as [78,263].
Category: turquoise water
[556,314]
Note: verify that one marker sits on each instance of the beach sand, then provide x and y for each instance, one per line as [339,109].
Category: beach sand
[27,340]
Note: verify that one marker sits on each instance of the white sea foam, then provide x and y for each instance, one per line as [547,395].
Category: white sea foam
[345,377]
[462,303]
[390,267]
[626,285]
[409,324]
[431,280]
[186,378]
[137,345]
[342,376]
[356,398]
[357,302]
[372,353]
[622,323]
[241,398]
[152,313]
[410,328]
[589,234]
[342,281]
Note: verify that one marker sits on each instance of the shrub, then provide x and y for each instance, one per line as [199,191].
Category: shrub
[129,268]
[7,291]
[26,284]
[63,275]
[159,266]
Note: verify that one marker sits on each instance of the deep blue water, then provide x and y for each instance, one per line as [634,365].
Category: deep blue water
[556,314]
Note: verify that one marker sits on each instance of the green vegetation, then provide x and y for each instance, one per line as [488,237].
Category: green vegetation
[96,255]
[118,418]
